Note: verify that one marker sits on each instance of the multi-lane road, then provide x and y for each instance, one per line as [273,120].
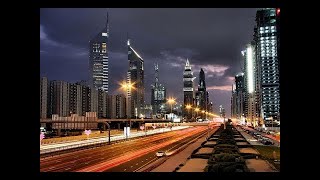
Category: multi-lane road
[126,156]
[273,139]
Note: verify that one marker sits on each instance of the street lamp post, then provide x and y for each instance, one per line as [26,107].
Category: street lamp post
[127,87]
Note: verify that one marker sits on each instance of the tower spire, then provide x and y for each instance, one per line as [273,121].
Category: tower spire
[156,68]
[187,63]
[107,24]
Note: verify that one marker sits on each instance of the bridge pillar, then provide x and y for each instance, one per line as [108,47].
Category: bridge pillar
[119,126]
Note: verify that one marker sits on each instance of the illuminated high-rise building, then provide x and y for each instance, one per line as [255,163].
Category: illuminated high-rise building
[98,59]
[267,41]
[135,76]
[158,93]
[188,88]
[250,80]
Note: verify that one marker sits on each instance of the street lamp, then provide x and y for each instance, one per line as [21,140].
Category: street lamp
[188,107]
[127,87]
[171,101]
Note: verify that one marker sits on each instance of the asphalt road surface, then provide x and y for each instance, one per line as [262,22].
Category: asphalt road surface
[125,156]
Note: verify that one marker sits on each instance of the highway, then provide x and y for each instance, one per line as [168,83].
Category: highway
[273,139]
[125,156]
[53,147]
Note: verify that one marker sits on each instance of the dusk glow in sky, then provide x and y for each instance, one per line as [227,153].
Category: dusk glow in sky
[212,39]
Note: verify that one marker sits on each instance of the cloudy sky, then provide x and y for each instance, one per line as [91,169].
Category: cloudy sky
[211,39]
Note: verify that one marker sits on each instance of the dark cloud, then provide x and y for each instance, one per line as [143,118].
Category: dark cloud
[211,38]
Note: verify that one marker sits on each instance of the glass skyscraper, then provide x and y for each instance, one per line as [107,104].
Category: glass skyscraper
[158,94]
[135,76]
[98,59]
[267,40]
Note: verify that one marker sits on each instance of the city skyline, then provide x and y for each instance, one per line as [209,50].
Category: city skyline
[160,90]
[210,38]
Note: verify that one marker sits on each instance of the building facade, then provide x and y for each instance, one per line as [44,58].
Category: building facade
[120,106]
[158,93]
[59,98]
[44,97]
[135,76]
[75,99]
[102,103]
[267,38]
[98,60]
[113,105]
[240,91]
[188,94]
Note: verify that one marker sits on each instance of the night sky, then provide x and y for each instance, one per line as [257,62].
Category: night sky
[211,39]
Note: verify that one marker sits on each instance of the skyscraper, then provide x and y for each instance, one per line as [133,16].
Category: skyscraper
[158,93]
[267,41]
[250,80]
[98,59]
[44,96]
[233,102]
[202,92]
[238,97]
[188,88]
[135,76]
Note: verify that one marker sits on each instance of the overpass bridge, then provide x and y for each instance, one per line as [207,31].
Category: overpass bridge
[103,120]
[95,123]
